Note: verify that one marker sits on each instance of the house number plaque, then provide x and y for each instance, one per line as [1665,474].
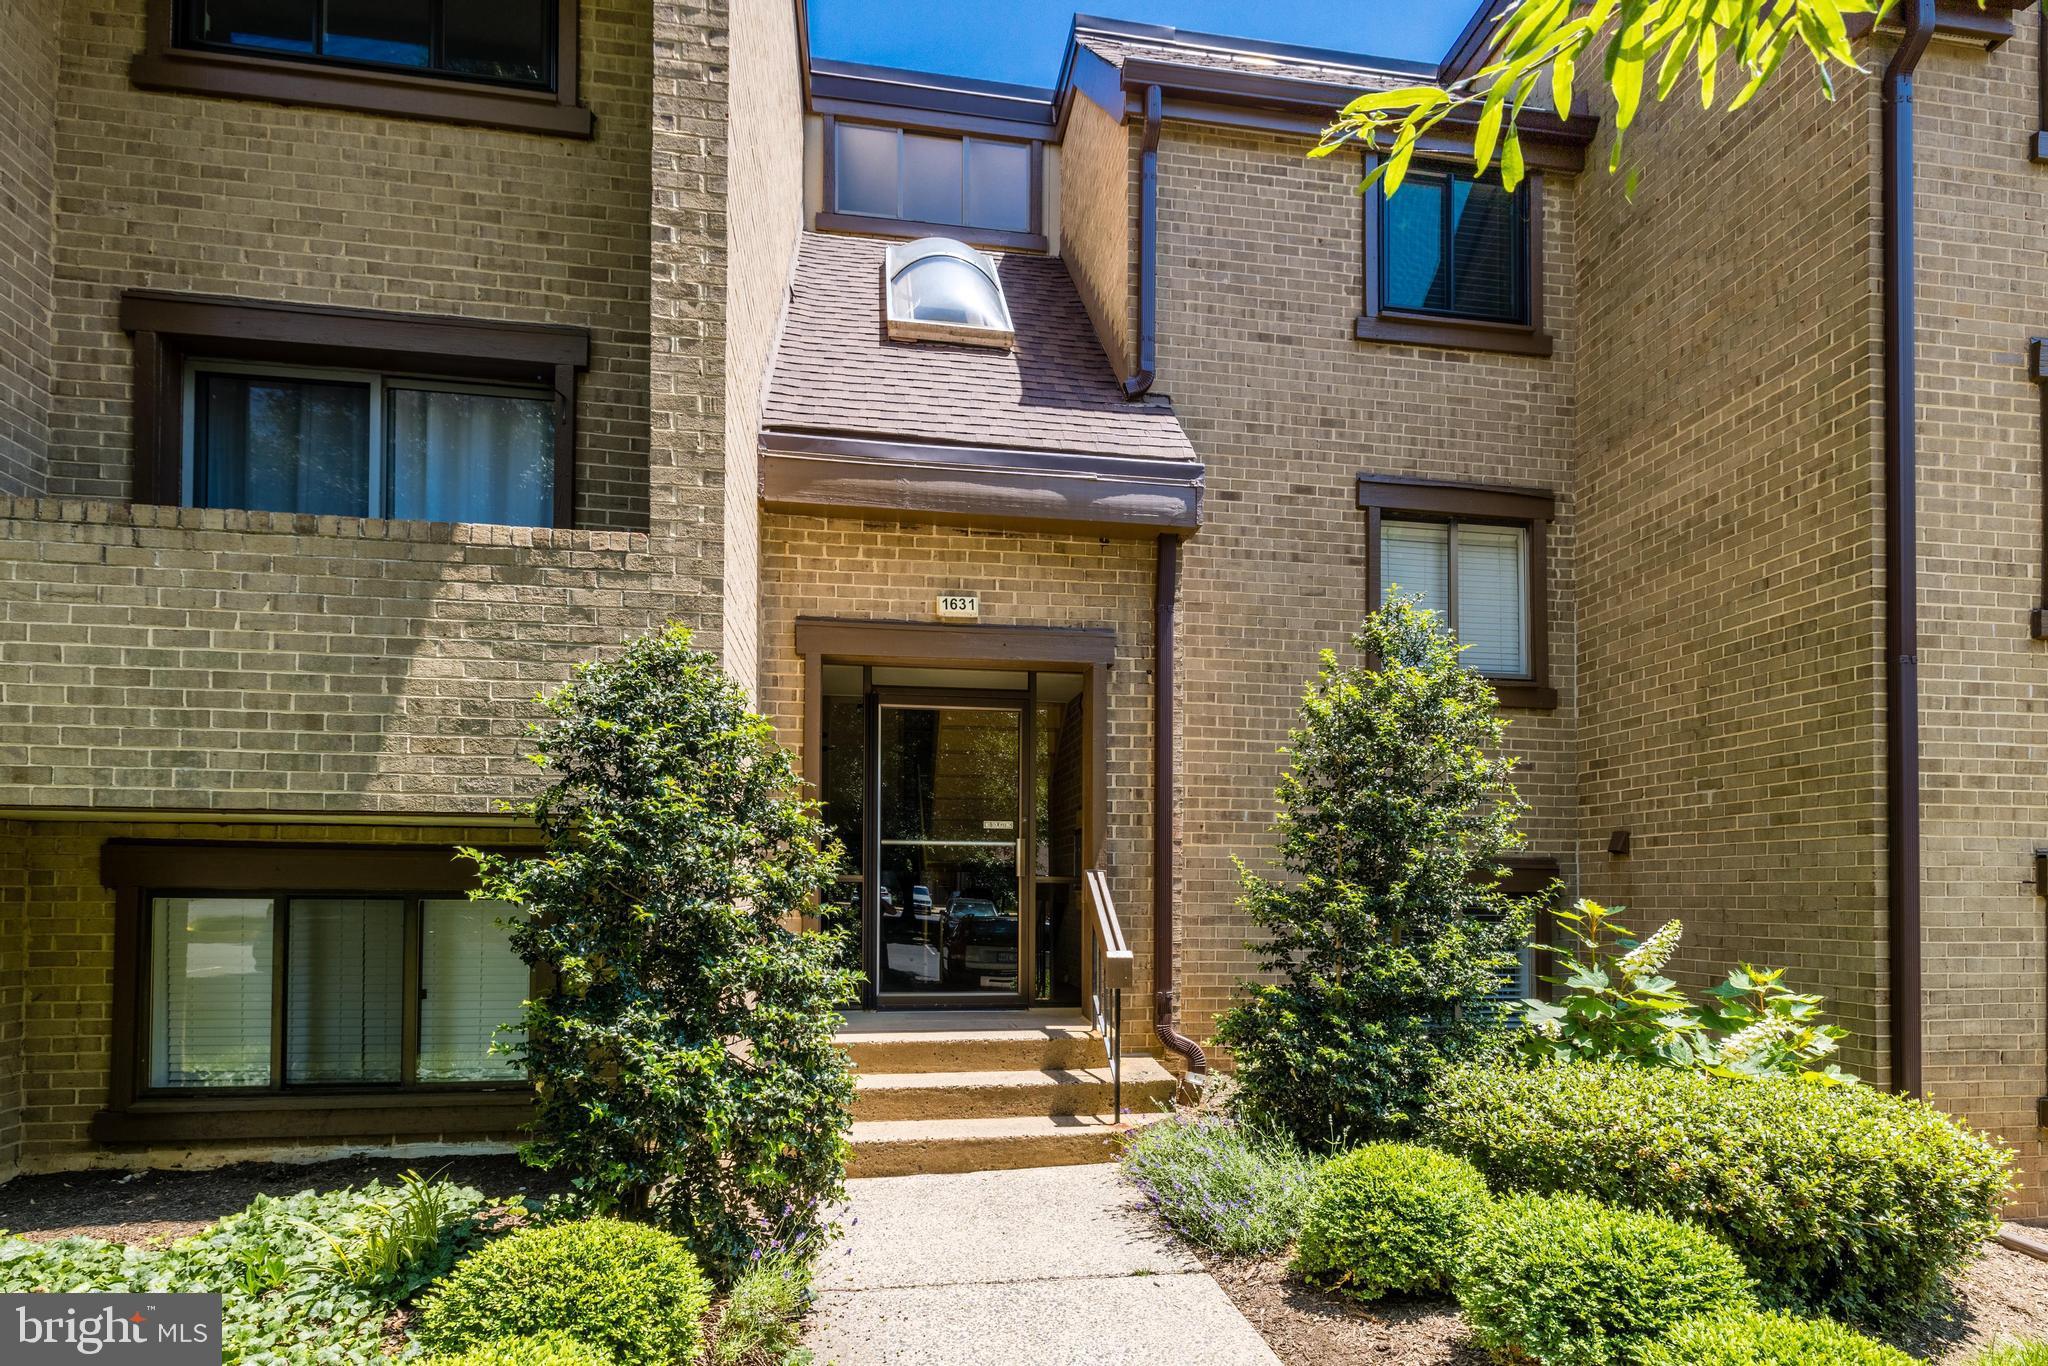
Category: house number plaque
[960,606]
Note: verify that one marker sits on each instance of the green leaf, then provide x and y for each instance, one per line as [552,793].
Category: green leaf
[1488,131]
[1511,160]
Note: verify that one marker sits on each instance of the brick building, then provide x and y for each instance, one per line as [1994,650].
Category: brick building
[1019,448]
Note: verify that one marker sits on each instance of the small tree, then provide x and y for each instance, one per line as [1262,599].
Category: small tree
[1395,812]
[683,1051]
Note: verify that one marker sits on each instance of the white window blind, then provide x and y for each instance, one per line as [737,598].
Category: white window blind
[471,985]
[1489,611]
[211,983]
[344,1017]
[1492,599]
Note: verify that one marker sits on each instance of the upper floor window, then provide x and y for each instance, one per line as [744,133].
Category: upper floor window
[354,444]
[1455,246]
[932,180]
[1476,556]
[510,42]
[1455,260]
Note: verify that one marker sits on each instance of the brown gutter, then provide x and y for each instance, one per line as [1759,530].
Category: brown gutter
[1901,589]
[1165,783]
[1140,384]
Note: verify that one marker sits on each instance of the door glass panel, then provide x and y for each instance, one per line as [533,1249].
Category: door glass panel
[283,445]
[388,32]
[210,991]
[473,987]
[467,457]
[948,881]
[344,990]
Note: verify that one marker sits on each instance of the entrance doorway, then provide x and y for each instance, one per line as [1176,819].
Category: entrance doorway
[958,797]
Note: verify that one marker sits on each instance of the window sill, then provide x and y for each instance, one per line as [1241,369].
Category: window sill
[1525,696]
[996,238]
[236,76]
[1454,334]
[462,1113]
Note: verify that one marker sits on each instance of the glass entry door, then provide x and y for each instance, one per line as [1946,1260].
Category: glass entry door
[946,842]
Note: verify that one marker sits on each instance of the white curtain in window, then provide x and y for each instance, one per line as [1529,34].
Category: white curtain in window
[471,986]
[344,990]
[469,457]
[1415,559]
[211,972]
[1493,599]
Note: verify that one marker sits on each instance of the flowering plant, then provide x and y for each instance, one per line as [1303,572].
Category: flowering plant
[1618,1006]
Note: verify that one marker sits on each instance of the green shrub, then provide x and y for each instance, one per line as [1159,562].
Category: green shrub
[543,1349]
[1841,1200]
[762,1319]
[1754,1338]
[684,1050]
[1573,1283]
[1220,1184]
[2013,1354]
[633,1292]
[1389,1218]
[1391,930]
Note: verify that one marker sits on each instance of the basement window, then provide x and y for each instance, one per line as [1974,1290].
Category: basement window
[942,290]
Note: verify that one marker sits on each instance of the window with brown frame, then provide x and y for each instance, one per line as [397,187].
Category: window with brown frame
[257,975]
[499,63]
[1455,260]
[272,407]
[1477,555]
[913,182]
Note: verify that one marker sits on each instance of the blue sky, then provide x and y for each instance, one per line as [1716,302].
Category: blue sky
[1021,41]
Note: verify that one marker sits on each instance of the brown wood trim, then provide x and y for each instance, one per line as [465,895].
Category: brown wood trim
[2037,370]
[1054,649]
[164,65]
[1531,508]
[202,866]
[1453,334]
[835,475]
[389,1115]
[932,120]
[171,327]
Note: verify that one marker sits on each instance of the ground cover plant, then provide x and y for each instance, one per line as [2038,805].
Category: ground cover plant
[1390,931]
[632,1291]
[546,1349]
[1389,1218]
[311,1276]
[761,1321]
[683,1053]
[1749,1337]
[1221,1184]
[1570,1282]
[1841,1200]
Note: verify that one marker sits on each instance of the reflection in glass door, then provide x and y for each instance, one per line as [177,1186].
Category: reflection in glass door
[948,801]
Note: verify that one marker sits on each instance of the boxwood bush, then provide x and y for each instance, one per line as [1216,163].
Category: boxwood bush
[1570,1282]
[1389,1218]
[1840,1199]
[633,1292]
[1755,1338]
[543,1349]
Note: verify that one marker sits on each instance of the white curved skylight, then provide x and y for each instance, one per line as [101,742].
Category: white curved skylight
[942,290]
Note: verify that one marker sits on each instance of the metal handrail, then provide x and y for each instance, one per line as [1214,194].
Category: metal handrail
[1114,968]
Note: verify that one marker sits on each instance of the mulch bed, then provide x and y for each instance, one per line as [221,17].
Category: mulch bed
[141,1207]
[2004,1295]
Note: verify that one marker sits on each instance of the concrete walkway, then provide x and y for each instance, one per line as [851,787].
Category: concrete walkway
[1040,1267]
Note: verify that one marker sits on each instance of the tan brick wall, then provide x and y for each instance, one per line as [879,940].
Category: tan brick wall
[28,124]
[1259,289]
[205,660]
[1730,694]
[884,571]
[764,216]
[1097,206]
[67,933]
[1983,261]
[173,191]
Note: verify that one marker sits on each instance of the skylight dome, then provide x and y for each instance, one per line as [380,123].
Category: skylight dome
[942,290]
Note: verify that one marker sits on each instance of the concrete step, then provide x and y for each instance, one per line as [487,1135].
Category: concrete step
[1148,1086]
[918,1147]
[1027,1045]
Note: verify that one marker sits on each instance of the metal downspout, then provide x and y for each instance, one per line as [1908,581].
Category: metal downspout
[1140,383]
[1901,596]
[1165,783]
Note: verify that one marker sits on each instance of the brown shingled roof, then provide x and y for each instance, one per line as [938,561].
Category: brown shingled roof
[835,371]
